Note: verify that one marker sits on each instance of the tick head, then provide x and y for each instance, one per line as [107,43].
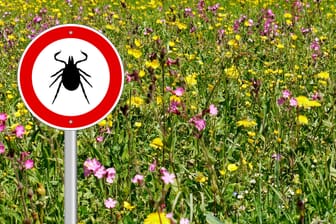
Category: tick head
[70,61]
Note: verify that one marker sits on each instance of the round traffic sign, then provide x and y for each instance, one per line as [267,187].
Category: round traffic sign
[70,77]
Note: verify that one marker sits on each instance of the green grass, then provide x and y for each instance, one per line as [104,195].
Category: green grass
[242,73]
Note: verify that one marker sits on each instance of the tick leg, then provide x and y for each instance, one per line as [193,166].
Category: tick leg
[86,80]
[59,59]
[58,88]
[82,59]
[55,80]
[57,72]
[84,72]
[84,92]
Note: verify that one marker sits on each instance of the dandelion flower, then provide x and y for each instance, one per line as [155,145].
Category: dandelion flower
[128,206]
[191,79]
[302,119]
[136,101]
[200,177]
[157,218]
[232,167]
[157,143]
[323,75]
[232,72]
[246,123]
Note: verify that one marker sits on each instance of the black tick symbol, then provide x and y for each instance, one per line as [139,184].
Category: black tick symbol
[70,75]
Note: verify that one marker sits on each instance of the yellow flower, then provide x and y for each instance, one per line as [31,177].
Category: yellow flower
[302,119]
[200,177]
[128,206]
[159,100]
[102,123]
[294,37]
[246,123]
[233,43]
[181,26]
[142,73]
[191,80]
[232,167]
[110,27]
[136,101]
[137,124]
[153,64]
[174,98]
[157,218]
[306,103]
[280,46]
[298,191]
[251,133]
[134,52]
[156,143]
[288,15]
[232,72]
[323,75]
[171,43]
[137,42]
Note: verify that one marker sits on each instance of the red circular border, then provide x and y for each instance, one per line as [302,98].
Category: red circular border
[41,111]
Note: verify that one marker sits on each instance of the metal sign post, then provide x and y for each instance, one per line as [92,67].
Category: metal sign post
[70,177]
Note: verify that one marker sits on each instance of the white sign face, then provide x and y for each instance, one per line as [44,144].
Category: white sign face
[52,91]
[70,77]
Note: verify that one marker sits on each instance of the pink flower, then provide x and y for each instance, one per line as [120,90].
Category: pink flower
[3,117]
[173,107]
[213,110]
[199,122]
[100,139]
[168,178]
[19,131]
[37,19]
[316,96]
[152,166]
[138,179]
[110,175]
[178,91]
[29,164]
[286,94]
[293,102]
[163,170]
[90,166]
[315,45]
[100,172]
[184,221]
[2,148]
[110,203]
[281,101]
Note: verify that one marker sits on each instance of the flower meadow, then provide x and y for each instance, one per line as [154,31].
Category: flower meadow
[227,115]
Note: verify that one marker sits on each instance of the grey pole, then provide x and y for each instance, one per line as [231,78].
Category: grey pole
[70,177]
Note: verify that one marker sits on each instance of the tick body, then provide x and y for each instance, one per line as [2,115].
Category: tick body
[71,76]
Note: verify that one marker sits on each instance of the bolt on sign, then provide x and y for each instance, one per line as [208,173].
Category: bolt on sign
[70,77]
